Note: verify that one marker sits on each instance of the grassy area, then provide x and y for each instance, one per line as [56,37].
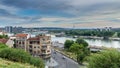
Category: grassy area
[10,64]
[66,53]
[70,55]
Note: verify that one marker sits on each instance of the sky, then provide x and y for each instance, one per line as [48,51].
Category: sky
[60,13]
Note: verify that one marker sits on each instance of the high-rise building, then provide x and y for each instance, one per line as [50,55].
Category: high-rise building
[17,30]
[9,29]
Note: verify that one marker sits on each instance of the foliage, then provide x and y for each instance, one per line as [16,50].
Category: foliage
[9,64]
[76,48]
[3,46]
[118,34]
[105,59]
[98,33]
[80,51]
[68,43]
[18,55]
[3,36]
[86,32]
[81,41]
[15,55]
[36,62]
[79,48]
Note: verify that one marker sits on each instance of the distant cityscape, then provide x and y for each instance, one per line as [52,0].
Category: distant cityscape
[11,29]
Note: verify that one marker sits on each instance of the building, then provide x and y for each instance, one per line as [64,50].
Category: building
[38,46]
[17,30]
[8,42]
[9,29]
[2,32]
[21,41]
[3,40]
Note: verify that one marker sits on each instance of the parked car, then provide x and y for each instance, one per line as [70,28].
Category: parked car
[63,57]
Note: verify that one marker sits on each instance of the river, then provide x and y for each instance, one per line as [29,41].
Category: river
[92,42]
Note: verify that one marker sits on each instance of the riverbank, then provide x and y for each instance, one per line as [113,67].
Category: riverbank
[100,38]
[91,42]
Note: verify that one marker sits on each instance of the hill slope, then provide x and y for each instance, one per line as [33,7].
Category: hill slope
[10,64]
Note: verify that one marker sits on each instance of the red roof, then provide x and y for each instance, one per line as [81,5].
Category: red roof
[21,35]
[34,38]
[3,41]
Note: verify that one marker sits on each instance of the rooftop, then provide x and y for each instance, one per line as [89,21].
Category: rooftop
[34,38]
[3,40]
[21,35]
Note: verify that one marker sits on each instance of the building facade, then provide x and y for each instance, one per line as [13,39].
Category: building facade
[39,46]
[9,29]
[21,41]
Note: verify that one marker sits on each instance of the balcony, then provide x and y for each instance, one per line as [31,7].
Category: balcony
[45,48]
[46,56]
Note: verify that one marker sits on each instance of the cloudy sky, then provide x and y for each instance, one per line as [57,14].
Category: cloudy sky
[60,13]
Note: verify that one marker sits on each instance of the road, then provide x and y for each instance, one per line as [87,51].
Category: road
[63,62]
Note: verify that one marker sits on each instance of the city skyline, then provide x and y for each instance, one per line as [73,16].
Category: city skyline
[60,13]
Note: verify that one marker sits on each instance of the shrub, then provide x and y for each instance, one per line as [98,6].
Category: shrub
[36,62]
[15,55]
[2,46]
[68,44]
[18,55]
[105,59]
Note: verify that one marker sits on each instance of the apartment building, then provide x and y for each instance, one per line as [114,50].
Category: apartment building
[39,46]
[21,41]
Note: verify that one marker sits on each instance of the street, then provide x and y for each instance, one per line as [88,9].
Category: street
[63,62]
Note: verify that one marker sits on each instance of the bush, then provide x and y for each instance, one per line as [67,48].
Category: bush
[68,44]
[36,62]
[2,46]
[15,55]
[18,55]
[82,41]
[105,59]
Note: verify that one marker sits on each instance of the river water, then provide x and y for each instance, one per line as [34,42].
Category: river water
[92,42]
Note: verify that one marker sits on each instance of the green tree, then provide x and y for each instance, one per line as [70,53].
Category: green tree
[4,36]
[79,52]
[81,41]
[118,34]
[68,43]
[105,59]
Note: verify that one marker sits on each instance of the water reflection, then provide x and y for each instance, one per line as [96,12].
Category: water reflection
[92,42]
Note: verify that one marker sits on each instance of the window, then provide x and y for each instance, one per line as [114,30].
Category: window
[34,52]
[34,46]
[38,42]
[23,43]
[31,42]
[30,50]
[43,39]
[30,46]
[19,42]
[48,51]
[38,51]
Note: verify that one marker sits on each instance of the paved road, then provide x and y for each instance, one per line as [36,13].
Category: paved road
[63,62]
